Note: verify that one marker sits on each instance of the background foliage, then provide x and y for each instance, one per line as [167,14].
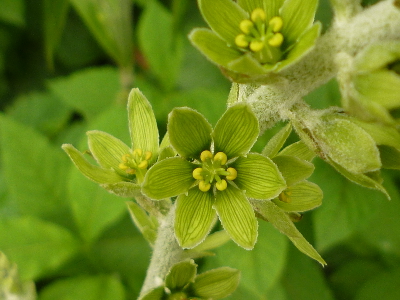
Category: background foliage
[66,67]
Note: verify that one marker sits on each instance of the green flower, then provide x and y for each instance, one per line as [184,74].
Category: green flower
[214,175]
[122,168]
[250,38]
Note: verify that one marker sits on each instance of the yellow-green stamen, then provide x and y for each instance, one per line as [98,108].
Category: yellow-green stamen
[285,196]
[134,162]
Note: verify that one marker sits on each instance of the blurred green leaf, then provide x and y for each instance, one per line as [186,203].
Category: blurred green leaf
[38,247]
[100,287]
[13,12]
[89,91]
[34,171]
[383,286]
[161,47]
[54,16]
[110,21]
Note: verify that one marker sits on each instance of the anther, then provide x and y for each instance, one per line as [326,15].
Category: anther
[130,171]
[221,185]
[256,46]
[197,173]
[232,174]
[221,156]
[276,40]
[138,152]
[143,164]
[246,26]
[204,186]
[241,41]
[123,166]
[206,154]
[148,155]
[258,14]
[276,24]
[284,196]
[126,157]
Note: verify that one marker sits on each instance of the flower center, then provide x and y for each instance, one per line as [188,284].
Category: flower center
[213,170]
[261,36]
[135,162]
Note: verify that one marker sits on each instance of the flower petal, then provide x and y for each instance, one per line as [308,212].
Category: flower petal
[92,172]
[236,131]
[247,64]
[297,15]
[237,216]
[299,150]
[258,176]
[195,217]
[180,275]
[276,142]
[106,149]
[302,196]
[213,47]
[223,16]
[189,132]
[271,7]
[293,169]
[167,178]
[142,124]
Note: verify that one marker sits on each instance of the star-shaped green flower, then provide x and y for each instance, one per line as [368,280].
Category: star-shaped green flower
[214,175]
[121,168]
[250,38]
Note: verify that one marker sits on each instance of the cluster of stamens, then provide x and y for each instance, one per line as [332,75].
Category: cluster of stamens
[285,196]
[213,170]
[137,160]
[261,36]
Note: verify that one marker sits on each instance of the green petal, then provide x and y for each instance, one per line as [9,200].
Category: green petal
[213,47]
[382,134]
[377,56]
[236,131]
[142,124]
[237,216]
[167,178]
[293,169]
[180,275]
[217,283]
[258,176]
[271,7]
[106,149]
[297,15]
[303,196]
[299,150]
[189,132]
[223,16]
[247,64]
[123,189]
[195,217]
[92,172]
[302,47]
[277,141]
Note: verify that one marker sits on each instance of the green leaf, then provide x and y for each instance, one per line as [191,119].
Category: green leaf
[107,149]
[180,275]
[217,283]
[110,22]
[213,47]
[189,132]
[142,124]
[93,208]
[299,150]
[237,217]
[55,13]
[258,176]
[92,172]
[277,141]
[382,135]
[167,178]
[33,171]
[146,224]
[236,131]
[300,197]
[223,17]
[281,221]
[104,287]
[13,12]
[212,241]
[297,16]
[195,217]
[293,169]
[390,157]
[89,91]
[38,247]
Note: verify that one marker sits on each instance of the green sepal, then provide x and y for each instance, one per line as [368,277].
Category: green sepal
[223,17]
[237,216]
[390,157]
[213,47]
[166,153]
[195,217]
[213,241]
[125,189]
[382,134]
[154,294]
[246,64]
[276,142]
[377,56]
[298,16]
[258,176]
[293,169]
[281,221]
[181,275]
[142,124]
[107,149]
[236,131]
[95,173]
[167,178]
[302,196]
[216,284]
[299,150]
[146,224]
[189,132]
